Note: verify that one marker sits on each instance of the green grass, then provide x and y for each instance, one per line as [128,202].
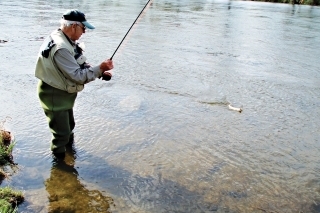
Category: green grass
[6,148]
[6,207]
[9,198]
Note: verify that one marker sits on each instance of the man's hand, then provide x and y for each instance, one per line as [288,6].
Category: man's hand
[106,65]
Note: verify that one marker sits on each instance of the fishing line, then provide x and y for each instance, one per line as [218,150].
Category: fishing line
[129,30]
[106,75]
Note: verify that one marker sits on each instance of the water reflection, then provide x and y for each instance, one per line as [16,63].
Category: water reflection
[68,194]
[145,193]
[135,192]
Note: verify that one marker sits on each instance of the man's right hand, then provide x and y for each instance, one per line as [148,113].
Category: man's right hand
[106,65]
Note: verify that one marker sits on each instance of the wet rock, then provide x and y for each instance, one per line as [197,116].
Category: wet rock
[38,38]
[6,137]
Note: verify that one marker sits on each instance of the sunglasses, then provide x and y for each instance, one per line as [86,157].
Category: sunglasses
[83,27]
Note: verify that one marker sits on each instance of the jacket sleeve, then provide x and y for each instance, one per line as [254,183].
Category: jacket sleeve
[69,67]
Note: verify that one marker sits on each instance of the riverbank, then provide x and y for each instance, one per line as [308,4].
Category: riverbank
[303,2]
[9,198]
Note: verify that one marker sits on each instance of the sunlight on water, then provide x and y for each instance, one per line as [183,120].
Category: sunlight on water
[159,137]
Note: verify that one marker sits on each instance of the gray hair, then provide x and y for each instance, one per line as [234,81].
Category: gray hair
[66,23]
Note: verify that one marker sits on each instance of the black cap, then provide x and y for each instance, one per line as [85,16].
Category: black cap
[76,15]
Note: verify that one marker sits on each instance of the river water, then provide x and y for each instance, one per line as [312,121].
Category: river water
[159,137]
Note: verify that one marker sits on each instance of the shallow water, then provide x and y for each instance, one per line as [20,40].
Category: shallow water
[159,137]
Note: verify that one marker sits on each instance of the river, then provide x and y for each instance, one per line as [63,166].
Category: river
[160,137]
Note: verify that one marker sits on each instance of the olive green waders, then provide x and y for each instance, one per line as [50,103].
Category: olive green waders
[58,107]
[61,124]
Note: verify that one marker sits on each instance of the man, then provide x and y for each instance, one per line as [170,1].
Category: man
[62,72]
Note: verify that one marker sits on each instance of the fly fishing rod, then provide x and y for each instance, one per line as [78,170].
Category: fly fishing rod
[129,30]
[107,76]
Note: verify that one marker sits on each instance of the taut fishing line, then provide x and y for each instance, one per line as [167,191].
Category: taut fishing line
[129,30]
[107,76]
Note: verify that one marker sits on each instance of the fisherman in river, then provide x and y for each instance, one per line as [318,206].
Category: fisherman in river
[62,71]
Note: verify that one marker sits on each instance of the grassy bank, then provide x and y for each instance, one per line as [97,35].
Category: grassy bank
[9,198]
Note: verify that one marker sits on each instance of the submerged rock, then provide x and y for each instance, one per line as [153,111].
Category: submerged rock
[38,38]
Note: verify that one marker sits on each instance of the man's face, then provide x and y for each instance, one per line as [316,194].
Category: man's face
[77,31]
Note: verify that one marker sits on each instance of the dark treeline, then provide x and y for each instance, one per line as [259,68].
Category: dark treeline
[306,2]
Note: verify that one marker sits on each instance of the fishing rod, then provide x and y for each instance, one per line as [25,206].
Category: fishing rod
[108,76]
[129,30]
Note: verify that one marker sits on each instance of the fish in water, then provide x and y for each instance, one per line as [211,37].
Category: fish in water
[238,109]
[235,108]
